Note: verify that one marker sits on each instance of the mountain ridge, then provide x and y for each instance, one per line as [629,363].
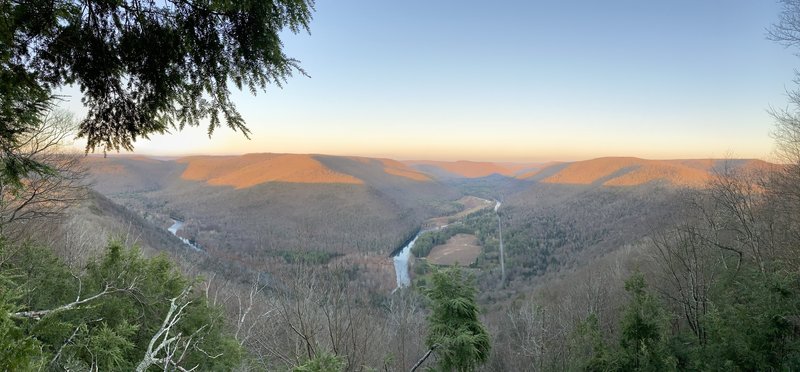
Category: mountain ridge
[248,170]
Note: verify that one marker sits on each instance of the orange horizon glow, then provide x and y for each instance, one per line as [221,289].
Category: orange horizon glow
[528,146]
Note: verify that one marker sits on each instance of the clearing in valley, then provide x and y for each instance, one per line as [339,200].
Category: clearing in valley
[461,248]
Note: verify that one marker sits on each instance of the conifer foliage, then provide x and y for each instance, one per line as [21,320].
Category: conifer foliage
[143,66]
[121,312]
[456,335]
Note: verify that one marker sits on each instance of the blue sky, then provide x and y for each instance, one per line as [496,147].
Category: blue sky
[519,81]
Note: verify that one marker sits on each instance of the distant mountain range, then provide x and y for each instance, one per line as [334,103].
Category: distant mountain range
[254,169]
[607,171]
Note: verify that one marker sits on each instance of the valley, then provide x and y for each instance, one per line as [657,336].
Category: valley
[265,211]
[310,236]
[314,186]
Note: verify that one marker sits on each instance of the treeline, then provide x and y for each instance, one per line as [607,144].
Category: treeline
[535,242]
[718,291]
[428,240]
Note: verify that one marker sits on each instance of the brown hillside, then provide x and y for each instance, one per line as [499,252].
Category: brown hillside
[627,171]
[659,171]
[100,165]
[594,171]
[253,169]
[394,168]
[471,169]
[397,168]
[536,169]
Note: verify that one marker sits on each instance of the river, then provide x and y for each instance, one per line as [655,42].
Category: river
[401,263]
[177,225]
[404,255]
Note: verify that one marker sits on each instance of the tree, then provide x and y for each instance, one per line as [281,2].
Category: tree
[45,194]
[645,334]
[143,66]
[324,362]
[752,324]
[787,124]
[120,312]
[455,334]
[644,339]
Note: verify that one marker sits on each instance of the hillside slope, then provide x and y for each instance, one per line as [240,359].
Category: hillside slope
[471,169]
[253,209]
[626,171]
[254,169]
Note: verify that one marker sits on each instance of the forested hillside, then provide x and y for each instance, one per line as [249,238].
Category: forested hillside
[559,223]
[261,211]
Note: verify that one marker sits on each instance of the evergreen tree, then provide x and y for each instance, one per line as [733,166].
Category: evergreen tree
[142,66]
[644,344]
[753,323]
[324,362]
[456,335]
[105,316]
[645,333]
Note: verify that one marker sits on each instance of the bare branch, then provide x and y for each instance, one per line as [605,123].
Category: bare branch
[169,350]
[39,314]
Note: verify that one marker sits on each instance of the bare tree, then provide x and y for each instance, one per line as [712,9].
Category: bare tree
[785,184]
[315,311]
[48,193]
[407,327]
[690,265]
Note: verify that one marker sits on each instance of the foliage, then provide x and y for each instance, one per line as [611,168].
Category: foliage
[588,340]
[459,339]
[644,330]
[142,66]
[324,362]
[753,323]
[109,332]
[644,342]
[18,350]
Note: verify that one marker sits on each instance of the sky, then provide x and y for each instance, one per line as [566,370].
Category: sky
[516,81]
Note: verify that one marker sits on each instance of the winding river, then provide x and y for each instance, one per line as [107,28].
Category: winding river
[401,257]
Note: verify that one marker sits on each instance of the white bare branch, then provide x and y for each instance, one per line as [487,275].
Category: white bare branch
[167,349]
[39,314]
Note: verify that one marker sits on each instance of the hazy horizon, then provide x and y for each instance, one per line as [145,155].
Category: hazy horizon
[423,159]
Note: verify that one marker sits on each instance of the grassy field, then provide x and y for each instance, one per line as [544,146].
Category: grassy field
[461,248]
